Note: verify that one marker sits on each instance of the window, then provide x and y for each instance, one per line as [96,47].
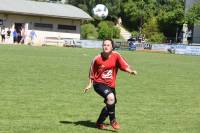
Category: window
[66,27]
[1,21]
[43,25]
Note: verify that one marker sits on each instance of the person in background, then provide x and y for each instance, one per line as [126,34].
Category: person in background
[8,34]
[32,36]
[3,35]
[23,35]
[15,36]
[189,37]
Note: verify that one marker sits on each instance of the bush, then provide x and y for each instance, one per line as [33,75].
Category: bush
[107,29]
[157,37]
[116,33]
[152,32]
[135,33]
[88,31]
[192,15]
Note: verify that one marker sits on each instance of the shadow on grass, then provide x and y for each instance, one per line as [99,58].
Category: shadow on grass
[86,123]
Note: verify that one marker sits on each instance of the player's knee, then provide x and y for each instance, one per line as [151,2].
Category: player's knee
[110,99]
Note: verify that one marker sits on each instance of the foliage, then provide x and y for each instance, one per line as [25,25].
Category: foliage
[171,11]
[114,9]
[48,0]
[193,15]
[157,37]
[107,29]
[139,10]
[87,5]
[170,16]
[116,32]
[135,13]
[152,32]
[135,33]
[88,31]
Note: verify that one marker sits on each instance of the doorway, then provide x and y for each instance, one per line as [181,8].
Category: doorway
[18,29]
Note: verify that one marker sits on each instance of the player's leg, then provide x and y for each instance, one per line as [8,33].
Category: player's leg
[102,117]
[111,106]
[111,101]
[103,91]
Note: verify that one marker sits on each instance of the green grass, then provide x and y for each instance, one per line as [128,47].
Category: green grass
[41,92]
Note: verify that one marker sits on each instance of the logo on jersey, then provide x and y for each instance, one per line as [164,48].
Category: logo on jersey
[102,66]
[107,74]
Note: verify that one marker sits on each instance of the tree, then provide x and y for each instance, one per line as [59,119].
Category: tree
[107,29]
[87,5]
[193,15]
[88,31]
[48,0]
[135,14]
[138,11]
[152,32]
[170,16]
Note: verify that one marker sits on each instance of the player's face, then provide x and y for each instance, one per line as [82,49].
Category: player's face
[107,46]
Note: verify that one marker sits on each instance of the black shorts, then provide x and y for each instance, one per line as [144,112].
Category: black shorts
[104,91]
[3,37]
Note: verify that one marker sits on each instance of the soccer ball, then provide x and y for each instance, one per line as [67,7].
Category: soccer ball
[100,11]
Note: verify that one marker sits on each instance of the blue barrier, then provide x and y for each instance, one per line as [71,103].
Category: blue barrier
[186,50]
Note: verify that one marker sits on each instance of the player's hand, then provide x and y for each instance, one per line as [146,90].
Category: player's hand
[134,72]
[87,88]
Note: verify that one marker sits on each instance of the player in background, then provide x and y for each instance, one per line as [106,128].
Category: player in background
[102,76]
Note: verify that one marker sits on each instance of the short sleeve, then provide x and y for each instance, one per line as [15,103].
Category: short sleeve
[122,63]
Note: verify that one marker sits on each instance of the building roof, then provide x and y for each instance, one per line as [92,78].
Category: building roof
[35,8]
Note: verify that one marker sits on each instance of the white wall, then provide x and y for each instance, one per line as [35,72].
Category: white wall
[11,19]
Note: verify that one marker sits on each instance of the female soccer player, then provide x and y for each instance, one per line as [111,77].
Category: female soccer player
[102,75]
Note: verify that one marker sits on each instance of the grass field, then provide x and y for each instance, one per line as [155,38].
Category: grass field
[41,92]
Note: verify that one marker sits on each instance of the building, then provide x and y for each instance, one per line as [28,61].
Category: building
[47,20]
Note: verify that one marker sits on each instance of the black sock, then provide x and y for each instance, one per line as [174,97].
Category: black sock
[103,115]
[111,111]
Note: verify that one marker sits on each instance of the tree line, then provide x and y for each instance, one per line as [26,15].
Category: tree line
[158,20]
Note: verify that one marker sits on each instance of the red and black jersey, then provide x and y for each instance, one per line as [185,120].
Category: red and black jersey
[105,70]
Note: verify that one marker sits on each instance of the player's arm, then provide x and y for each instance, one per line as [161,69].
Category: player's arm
[87,88]
[130,71]
[123,65]
[91,75]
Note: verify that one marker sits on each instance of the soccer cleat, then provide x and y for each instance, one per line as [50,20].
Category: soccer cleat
[101,126]
[115,124]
